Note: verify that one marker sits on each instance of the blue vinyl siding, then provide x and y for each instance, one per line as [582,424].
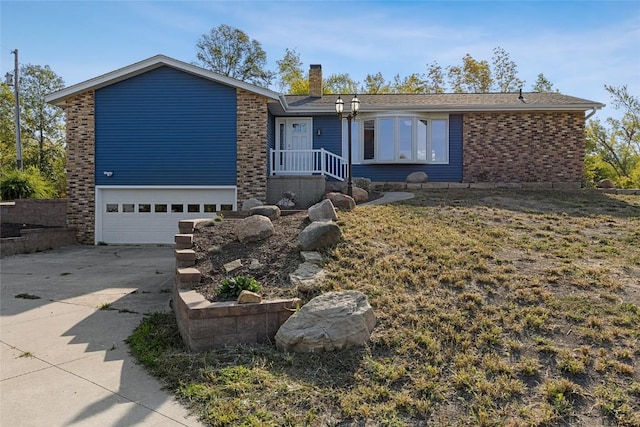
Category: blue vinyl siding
[331,139]
[166,127]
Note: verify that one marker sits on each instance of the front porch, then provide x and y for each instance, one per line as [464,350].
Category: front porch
[307,163]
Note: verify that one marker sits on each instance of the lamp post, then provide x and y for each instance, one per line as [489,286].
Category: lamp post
[355,106]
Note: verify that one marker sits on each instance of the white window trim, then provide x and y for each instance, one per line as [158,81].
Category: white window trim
[359,159]
[285,120]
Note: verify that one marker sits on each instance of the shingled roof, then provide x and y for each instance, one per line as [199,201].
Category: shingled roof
[446,102]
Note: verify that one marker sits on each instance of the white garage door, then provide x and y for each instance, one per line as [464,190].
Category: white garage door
[151,215]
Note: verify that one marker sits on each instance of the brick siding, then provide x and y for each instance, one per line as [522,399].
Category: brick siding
[524,147]
[81,165]
[252,146]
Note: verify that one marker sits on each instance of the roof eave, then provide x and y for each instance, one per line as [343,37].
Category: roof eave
[452,108]
[58,98]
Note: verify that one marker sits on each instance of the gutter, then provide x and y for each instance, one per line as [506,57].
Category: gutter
[593,111]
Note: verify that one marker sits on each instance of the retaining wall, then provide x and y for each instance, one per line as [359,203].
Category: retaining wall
[38,239]
[206,325]
[51,212]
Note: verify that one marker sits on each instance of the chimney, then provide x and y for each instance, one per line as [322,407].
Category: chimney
[315,80]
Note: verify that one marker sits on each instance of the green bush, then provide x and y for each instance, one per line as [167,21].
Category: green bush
[232,286]
[27,184]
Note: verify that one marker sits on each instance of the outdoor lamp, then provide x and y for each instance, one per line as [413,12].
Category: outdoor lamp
[355,106]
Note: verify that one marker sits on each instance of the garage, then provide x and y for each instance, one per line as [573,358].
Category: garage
[150,215]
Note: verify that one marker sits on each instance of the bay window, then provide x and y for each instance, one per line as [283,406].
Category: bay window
[399,139]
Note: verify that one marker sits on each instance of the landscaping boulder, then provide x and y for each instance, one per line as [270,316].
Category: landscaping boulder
[416,178]
[254,228]
[364,183]
[248,297]
[318,235]
[270,211]
[332,321]
[323,211]
[307,277]
[251,203]
[606,183]
[342,201]
[359,195]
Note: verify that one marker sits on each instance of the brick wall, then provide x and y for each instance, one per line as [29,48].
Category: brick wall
[51,212]
[81,165]
[252,146]
[524,147]
[315,80]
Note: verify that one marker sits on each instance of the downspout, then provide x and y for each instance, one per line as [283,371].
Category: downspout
[593,111]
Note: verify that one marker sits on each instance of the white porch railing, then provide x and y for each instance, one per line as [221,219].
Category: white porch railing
[308,162]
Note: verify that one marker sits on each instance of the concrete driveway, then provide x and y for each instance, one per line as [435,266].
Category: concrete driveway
[64,361]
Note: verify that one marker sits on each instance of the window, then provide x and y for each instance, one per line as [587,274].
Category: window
[160,208]
[193,208]
[144,208]
[209,208]
[175,208]
[112,207]
[399,139]
[128,207]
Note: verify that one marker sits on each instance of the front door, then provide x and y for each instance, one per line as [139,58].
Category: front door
[294,138]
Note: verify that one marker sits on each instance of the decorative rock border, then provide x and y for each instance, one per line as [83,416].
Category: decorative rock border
[206,325]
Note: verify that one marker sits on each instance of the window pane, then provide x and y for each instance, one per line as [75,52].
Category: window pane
[128,207]
[112,207]
[209,208]
[144,208]
[439,143]
[386,147]
[226,207]
[193,208]
[160,208]
[177,208]
[369,139]
[422,139]
[405,126]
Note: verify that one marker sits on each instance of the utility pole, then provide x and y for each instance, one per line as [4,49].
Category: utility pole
[16,87]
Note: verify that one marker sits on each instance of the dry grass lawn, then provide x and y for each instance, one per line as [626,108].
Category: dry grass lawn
[514,308]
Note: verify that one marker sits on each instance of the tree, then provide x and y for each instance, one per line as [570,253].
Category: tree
[292,80]
[435,78]
[42,126]
[618,143]
[543,84]
[375,83]
[41,122]
[340,83]
[413,83]
[505,72]
[230,51]
[472,76]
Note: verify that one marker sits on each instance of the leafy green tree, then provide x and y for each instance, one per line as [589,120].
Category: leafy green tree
[413,83]
[618,142]
[42,123]
[42,128]
[7,128]
[292,79]
[543,84]
[340,83]
[375,83]
[435,78]
[505,72]
[472,76]
[229,51]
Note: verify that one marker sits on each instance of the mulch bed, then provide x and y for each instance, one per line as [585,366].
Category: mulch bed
[276,257]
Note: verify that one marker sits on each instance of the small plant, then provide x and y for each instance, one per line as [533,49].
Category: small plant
[105,306]
[232,286]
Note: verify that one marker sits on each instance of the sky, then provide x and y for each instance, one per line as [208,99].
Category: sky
[578,45]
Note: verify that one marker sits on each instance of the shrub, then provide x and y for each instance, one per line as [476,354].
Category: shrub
[27,184]
[232,286]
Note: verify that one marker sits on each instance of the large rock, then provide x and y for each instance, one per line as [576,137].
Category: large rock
[270,211]
[332,321]
[318,235]
[416,178]
[307,277]
[342,201]
[254,228]
[364,183]
[606,183]
[323,211]
[251,203]
[360,195]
